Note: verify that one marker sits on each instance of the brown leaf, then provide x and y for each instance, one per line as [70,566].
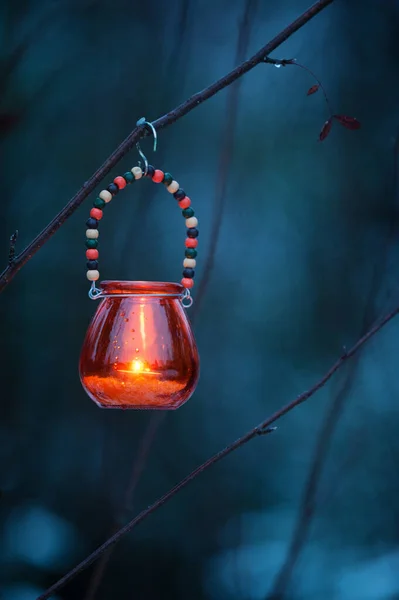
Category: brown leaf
[348,122]
[325,130]
[313,89]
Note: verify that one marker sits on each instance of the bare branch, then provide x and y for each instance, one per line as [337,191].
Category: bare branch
[263,427]
[308,505]
[11,251]
[139,132]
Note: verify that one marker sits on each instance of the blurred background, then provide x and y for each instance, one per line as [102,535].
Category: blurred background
[299,249]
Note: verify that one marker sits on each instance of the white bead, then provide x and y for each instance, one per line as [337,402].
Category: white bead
[192,222]
[93,275]
[173,187]
[137,172]
[105,195]
[189,263]
[92,234]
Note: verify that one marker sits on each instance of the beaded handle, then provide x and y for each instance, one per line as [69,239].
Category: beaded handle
[106,196]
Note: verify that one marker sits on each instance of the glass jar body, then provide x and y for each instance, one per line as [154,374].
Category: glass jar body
[139,351]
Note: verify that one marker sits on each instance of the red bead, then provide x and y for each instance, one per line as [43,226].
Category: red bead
[96,213]
[158,176]
[187,283]
[191,243]
[120,182]
[92,254]
[185,203]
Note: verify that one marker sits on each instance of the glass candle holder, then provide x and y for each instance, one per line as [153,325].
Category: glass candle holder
[139,351]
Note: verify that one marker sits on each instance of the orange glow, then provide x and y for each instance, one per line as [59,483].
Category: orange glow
[137,366]
[139,351]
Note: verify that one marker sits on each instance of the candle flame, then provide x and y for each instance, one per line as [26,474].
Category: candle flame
[137,365]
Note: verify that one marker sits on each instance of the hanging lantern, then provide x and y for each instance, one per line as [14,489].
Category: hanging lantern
[139,351]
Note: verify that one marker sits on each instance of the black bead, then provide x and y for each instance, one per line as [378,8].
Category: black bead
[113,189]
[180,194]
[150,171]
[92,265]
[167,179]
[189,273]
[192,232]
[92,223]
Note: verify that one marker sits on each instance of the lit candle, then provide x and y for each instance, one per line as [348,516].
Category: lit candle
[139,352]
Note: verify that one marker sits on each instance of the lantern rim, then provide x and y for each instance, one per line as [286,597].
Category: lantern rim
[140,288]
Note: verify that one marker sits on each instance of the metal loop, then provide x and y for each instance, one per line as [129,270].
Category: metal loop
[140,122]
[94,292]
[187,299]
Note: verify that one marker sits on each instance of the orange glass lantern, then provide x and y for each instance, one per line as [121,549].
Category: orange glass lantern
[139,351]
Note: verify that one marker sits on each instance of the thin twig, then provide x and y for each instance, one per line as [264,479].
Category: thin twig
[262,427]
[308,505]
[139,132]
[292,61]
[227,151]
[11,251]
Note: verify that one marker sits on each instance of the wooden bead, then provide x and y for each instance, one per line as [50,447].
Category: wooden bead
[191,243]
[189,263]
[120,182]
[150,171]
[187,283]
[192,222]
[191,253]
[180,194]
[113,189]
[137,172]
[185,203]
[187,213]
[105,195]
[128,176]
[158,176]
[91,223]
[96,213]
[167,180]
[99,203]
[92,234]
[93,275]
[192,232]
[173,187]
[92,254]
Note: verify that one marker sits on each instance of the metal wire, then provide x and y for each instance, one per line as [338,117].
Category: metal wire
[140,122]
[185,298]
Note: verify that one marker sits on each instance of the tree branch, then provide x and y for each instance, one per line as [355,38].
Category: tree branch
[139,132]
[262,428]
[11,249]
[309,503]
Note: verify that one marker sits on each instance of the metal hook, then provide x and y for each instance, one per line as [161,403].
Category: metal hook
[140,122]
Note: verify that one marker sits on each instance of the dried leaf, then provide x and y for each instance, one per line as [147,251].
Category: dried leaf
[313,89]
[325,130]
[348,122]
